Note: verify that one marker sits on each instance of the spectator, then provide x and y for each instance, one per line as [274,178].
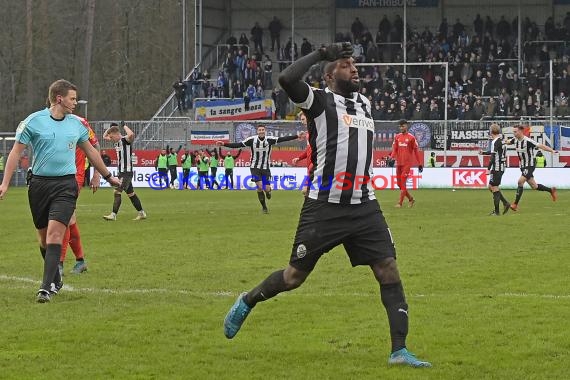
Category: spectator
[562,109]
[356,28]
[489,26]
[291,47]
[306,47]
[257,37]
[244,42]
[267,73]
[503,28]
[358,52]
[478,26]
[275,33]
[238,90]
[248,96]
[180,93]
[458,29]
[443,28]
[280,99]
[385,26]
[232,42]
[478,109]
[491,108]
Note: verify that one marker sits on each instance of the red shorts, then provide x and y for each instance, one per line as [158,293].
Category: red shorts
[403,171]
[80,179]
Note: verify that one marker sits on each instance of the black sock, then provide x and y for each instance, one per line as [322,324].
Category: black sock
[80,260]
[270,287]
[519,194]
[117,203]
[51,270]
[261,196]
[503,199]
[57,277]
[541,187]
[496,199]
[136,202]
[394,301]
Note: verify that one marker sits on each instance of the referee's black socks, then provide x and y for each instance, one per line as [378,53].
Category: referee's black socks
[51,270]
[394,302]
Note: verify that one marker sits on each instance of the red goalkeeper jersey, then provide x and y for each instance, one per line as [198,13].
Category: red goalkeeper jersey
[405,150]
[80,156]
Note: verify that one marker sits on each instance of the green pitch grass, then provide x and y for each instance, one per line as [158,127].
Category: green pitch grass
[488,296]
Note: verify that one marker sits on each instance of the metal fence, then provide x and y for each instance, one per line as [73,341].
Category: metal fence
[435,135]
[432,135]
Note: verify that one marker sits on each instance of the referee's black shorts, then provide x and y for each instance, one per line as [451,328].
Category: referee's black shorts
[495,178]
[263,175]
[360,228]
[52,198]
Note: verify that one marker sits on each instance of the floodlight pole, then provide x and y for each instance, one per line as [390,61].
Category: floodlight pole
[405,35]
[83,102]
[445,114]
[551,95]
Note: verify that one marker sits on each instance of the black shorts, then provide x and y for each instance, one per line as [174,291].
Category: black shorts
[52,198]
[361,228]
[163,173]
[263,175]
[528,172]
[495,178]
[127,182]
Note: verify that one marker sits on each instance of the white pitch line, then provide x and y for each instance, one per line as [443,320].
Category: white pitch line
[227,293]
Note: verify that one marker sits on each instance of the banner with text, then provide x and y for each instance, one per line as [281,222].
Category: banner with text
[233,109]
[209,137]
[385,3]
[383,179]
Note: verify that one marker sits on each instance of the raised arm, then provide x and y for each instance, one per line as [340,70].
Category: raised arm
[546,148]
[291,79]
[241,144]
[130,135]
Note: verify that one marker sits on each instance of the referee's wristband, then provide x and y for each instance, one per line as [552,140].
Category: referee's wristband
[107,176]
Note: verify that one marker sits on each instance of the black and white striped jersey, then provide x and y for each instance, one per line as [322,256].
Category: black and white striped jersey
[341,137]
[124,155]
[498,156]
[260,150]
[526,150]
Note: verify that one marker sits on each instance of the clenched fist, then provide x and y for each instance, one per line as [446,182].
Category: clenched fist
[336,51]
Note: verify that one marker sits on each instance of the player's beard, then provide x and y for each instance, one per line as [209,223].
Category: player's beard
[347,86]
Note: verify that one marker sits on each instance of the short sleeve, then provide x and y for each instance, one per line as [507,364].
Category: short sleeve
[83,135]
[23,133]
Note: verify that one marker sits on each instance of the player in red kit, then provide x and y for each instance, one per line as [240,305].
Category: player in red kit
[406,154]
[72,237]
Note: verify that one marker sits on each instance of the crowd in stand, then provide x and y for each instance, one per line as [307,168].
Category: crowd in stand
[483,68]
[483,78]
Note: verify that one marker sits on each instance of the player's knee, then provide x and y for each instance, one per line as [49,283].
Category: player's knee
[130,195]
[386,271]
[293,278]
